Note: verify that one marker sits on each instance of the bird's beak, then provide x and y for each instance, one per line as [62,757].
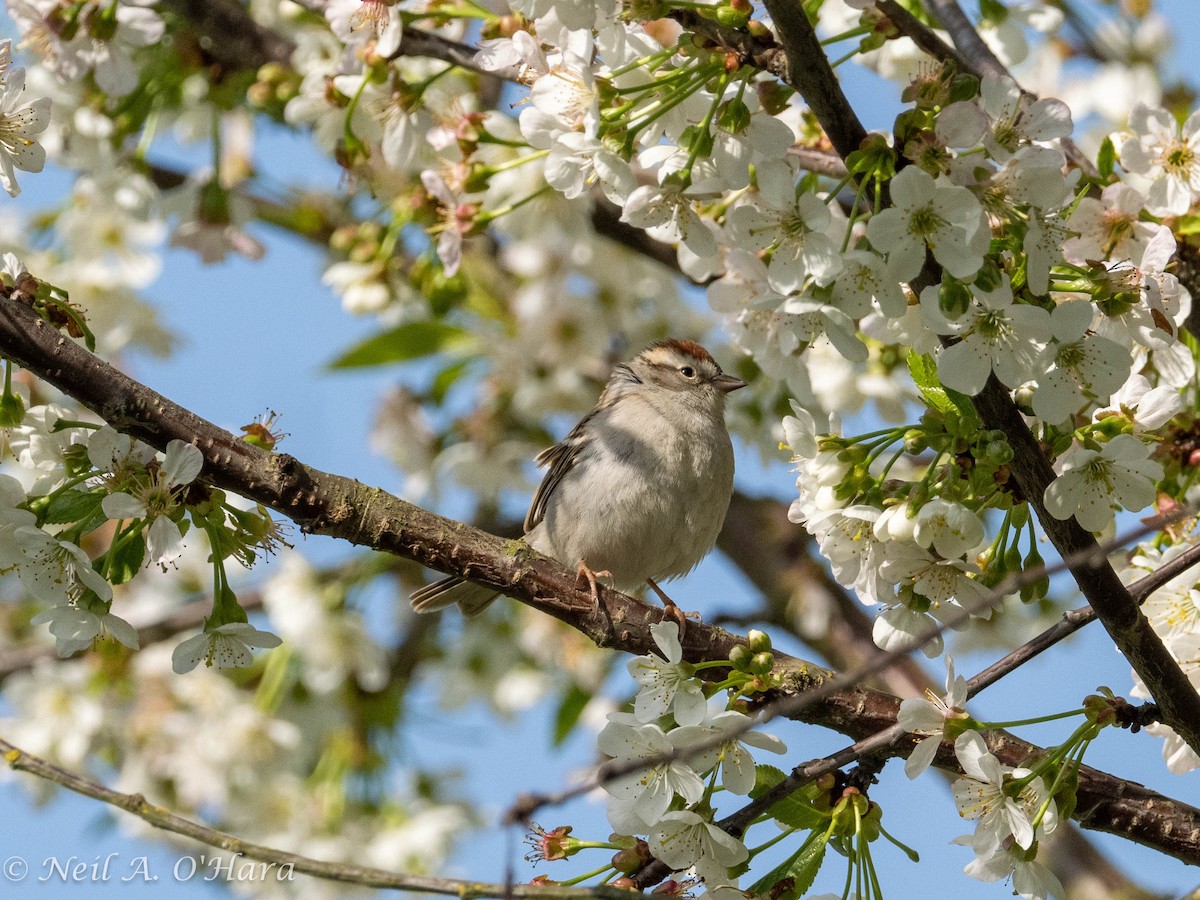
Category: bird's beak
[726,383]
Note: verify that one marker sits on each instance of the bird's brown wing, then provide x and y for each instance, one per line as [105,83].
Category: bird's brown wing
[560,459]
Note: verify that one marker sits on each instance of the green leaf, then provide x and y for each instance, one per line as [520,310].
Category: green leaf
[412,340]
[73,506]
[765,778]
[1187,225]
[570,707]
[923,369]
[793,810]
[127,560]
[1106,158]
[802,866]
[446,379]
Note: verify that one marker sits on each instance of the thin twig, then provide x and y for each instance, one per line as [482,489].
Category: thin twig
[970,45]
[367,876]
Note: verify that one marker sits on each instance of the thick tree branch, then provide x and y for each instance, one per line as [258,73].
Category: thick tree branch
[340,507]
[808,71]
[1117,610]
[229,36]
[1114,606]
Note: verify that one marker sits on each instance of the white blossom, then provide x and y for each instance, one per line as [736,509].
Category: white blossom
[75,628]
[995,335]
[682,839]
[1108,227]
[226,647]
[949,528]
[925,214]
[981,795]
[1080,365]
[1166,153]
[20,123]
[927,716]
[794,228]
[666,683]
[667,214]
[737,762]
[1030,879]
[1094,483]
[641,797]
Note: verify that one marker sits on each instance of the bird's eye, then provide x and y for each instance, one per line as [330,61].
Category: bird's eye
[687,371]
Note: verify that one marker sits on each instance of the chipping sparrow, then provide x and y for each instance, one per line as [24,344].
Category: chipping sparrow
[639,488]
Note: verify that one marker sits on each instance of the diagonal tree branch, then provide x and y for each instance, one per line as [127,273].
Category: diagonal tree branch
[344,508]
[965,37]
[1116,609]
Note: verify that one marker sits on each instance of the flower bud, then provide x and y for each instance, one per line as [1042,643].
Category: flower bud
[740,656]
[761,663]
[915,441]
[758,641]
[12,410]
[632,859]
[732,17]
[954,299]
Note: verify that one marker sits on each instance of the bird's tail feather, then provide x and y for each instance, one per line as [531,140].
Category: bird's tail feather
[471,598]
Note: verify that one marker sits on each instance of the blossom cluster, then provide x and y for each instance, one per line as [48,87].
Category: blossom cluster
[87,484]
[196,743]
[677,749]
[1013,807]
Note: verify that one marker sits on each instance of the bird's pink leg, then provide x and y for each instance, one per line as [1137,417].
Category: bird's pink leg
[670,610]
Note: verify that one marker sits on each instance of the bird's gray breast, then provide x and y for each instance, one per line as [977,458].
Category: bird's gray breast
[646,497]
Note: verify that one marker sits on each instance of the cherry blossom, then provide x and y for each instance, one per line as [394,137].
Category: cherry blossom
[1108,227]
[666,212]
[1080,366]
[794,228]
[929,716]
[683,839]
[20,123]
[981,794]
[225,647]
[666,683]
[1167,154]
[949,528]
[75,628]
[642,797]
[1030,879]
[1094,483]
[995,335]
[737,762]
[927,214]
